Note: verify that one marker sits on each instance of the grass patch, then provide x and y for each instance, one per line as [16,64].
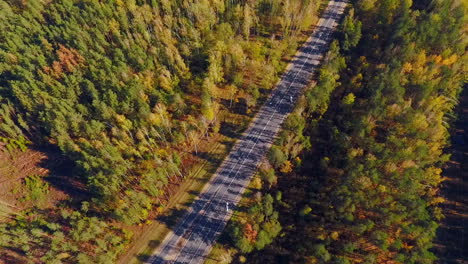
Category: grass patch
[5,211]
[37,189]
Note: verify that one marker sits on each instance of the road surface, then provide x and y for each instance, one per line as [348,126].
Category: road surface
[193,237]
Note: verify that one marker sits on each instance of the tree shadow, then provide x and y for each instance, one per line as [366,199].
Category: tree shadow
[172,217]
[230,130]
[239,107]
[62,173]
[7,258]
[144,257]
[450,243]
[211,157]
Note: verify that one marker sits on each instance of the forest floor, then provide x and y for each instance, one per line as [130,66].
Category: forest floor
[452,236]
[17,165]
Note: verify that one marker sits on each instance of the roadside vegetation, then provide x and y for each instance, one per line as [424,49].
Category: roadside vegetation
[358,165]
[120,97]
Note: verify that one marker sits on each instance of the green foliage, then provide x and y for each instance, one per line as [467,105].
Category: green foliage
[11,128]
[276,156]
[116,86]
[37,189]
[318,98]
[121,88]
[83,240]
[351,29]
[349,99]
[259,229]
[134,209]
[321,253]
[305,211]
[12,144]
[268,176]
[377,119]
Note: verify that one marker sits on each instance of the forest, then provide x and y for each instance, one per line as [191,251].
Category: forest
[356,172]
[122,90]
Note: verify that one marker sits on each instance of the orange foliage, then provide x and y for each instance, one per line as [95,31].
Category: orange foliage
[68,59]
[250,233]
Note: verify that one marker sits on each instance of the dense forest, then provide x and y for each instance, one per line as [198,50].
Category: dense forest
[122,89]
[356,171]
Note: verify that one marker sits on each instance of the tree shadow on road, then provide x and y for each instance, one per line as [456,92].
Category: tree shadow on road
[171,219]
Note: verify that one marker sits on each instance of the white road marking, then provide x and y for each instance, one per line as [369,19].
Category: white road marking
[258,137]
[237,165]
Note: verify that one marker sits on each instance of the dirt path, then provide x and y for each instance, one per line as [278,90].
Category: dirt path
[452,235]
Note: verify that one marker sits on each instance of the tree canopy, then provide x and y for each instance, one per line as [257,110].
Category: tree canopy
[367,190]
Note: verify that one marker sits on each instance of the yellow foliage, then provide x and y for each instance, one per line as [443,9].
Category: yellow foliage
[160,209]
[390,167]
[98,144]
[256,183]
[143,96]
[321,237]
[366,182]
[393,110]
[63,255]
[334,235]
[154,119]
[450,60]
[113,24]
[437,200]
[287,167]
[298,160]
[420,59]
[371,156]
[82,140]
[148,80]
[76,148]
[120,119]
[408,164]
[162,153]
[419,122]
[11,58]
[139,135]
[437,58]
[355,152]
[433,176]
[209,113]
[407,67]
[382,188]
[407,246]
[165,80]
[356,80]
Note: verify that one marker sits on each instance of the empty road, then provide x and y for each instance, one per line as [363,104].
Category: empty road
[193,237]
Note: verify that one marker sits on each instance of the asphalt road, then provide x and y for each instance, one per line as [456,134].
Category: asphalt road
[193,237]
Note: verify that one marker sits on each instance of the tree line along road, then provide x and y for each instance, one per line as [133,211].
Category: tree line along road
[192,238]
